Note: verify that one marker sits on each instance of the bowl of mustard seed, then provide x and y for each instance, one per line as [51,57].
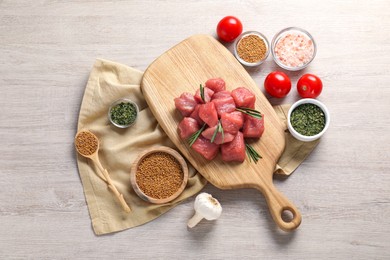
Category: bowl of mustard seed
[308,119]
[251,48]
[159,175]
[123,113]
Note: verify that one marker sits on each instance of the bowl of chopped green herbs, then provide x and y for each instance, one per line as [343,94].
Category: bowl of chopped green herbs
[308,119]
[123,113]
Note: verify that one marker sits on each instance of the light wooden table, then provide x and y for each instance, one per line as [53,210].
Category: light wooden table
[342,190]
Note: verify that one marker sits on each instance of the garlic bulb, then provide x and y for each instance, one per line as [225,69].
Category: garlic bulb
[205,207]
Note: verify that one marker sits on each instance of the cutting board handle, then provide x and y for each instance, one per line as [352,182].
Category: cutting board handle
[278,204]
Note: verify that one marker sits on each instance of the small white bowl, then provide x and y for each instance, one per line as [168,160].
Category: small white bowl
[281,34]
[117,102]
[299,136]
[237,42]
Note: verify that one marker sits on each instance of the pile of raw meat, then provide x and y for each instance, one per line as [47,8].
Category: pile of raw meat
[219,109]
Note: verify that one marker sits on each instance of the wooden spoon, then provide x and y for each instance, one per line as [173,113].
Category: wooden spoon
[87,145]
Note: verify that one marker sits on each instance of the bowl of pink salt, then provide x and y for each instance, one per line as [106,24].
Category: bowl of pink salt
[293,48]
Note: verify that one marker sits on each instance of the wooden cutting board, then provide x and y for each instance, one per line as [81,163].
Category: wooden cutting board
[182,69]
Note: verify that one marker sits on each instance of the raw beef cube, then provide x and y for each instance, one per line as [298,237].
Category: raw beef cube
[235,150]
[187,127]
[232,122]
[253,127]
[207,95]
[216,84]
[207,149]
[219,139]
[185,103]
[208,114]
[195,115]
[243,97]
[221,94]
[224,105]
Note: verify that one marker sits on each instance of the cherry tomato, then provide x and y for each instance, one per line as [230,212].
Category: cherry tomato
[229,28]
[277,84]
[309,86]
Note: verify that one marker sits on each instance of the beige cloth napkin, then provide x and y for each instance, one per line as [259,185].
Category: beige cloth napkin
[108,82]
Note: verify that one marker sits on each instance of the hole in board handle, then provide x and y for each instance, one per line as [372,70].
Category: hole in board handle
[287,215]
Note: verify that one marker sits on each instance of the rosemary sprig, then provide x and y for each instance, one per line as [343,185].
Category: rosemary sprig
[219,129]
[194,136]
[252,154]
[201,88]
[249,111]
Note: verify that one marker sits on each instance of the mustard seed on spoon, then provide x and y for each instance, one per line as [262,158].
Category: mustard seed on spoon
[87,145]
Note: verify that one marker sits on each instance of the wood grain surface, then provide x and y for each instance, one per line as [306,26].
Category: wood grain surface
[47,49]
[180,70]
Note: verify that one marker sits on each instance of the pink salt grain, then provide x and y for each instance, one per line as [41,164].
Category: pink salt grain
[294,49]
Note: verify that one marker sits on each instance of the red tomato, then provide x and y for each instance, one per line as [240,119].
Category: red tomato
[229,28]
[277,84]
[309,86]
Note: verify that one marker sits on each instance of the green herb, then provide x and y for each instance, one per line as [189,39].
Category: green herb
[249,111]
[251,153]
[218,129]
[201,88]
[194,136]
[308,119]
[124,113]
